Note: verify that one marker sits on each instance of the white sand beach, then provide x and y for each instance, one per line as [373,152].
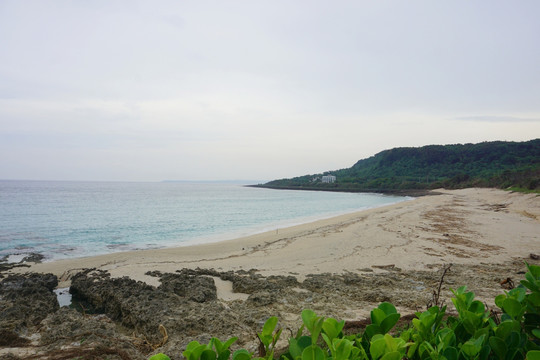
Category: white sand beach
[467,226]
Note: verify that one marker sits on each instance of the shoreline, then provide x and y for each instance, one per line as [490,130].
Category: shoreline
[457,226]
[340,267]
[154,216]
[37,257]
[397,192]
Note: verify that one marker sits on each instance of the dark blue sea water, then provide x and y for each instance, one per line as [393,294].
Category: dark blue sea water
[75,219]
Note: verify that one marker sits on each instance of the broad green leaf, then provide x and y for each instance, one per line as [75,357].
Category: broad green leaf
[343,348]
[482,332]
[514,340]
[224,354]
[506,327]
[445,337]
[294,348]
[471,321]
[533,355]
[377,316]
[208,355]
[529,285]
[316,330]
[304,342]
[358,354]
[265,339]
[387,308]
[406,335]
[192,346]
[377,346]
[451,353]
[391,344]
[195,354]
[534,299]
[512,307]
[484,352]
[462,299]
[313,352]
[412,349]
[394,355]
[498,346]
[241,354]
[472,347]
[332,327]
[327,341]
[499,299]
[477,307]
[460,290]
[518,294]
[388,323]
[270,325]
[159,356]
[469,297]
[216,343]
[372,330]
[309,317]
[533,278]
[417,323]
[229,342]
[313,323]
[361,352]
[534,270]
[425,323]
[425,349]
[536,332]
[300,331]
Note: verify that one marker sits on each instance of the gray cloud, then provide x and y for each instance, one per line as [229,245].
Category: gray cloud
[207,89]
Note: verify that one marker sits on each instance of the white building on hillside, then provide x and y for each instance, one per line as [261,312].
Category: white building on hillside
[328,179]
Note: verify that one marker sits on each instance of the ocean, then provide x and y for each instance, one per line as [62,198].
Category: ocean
[62,219]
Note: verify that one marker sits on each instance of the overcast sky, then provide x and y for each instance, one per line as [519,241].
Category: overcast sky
[208,90]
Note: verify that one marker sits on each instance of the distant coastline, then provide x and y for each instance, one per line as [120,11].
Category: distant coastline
[416,171]
[396,192]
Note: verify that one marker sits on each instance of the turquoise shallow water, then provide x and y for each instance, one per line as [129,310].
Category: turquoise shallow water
[74,219]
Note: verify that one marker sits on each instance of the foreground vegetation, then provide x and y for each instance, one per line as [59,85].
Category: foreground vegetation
[488,164]
[475,333]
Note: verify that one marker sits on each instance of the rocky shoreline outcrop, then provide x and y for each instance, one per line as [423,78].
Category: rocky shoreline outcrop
[120,318]
[25,300]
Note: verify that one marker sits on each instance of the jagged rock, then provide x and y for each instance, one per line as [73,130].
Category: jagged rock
[261,298]
[247,282]
[33,257]
[195,288]
[25,300]
[144,308]
[84,336]
[5,266]
[134,310]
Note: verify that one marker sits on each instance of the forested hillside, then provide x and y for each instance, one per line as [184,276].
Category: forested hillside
[488,164]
